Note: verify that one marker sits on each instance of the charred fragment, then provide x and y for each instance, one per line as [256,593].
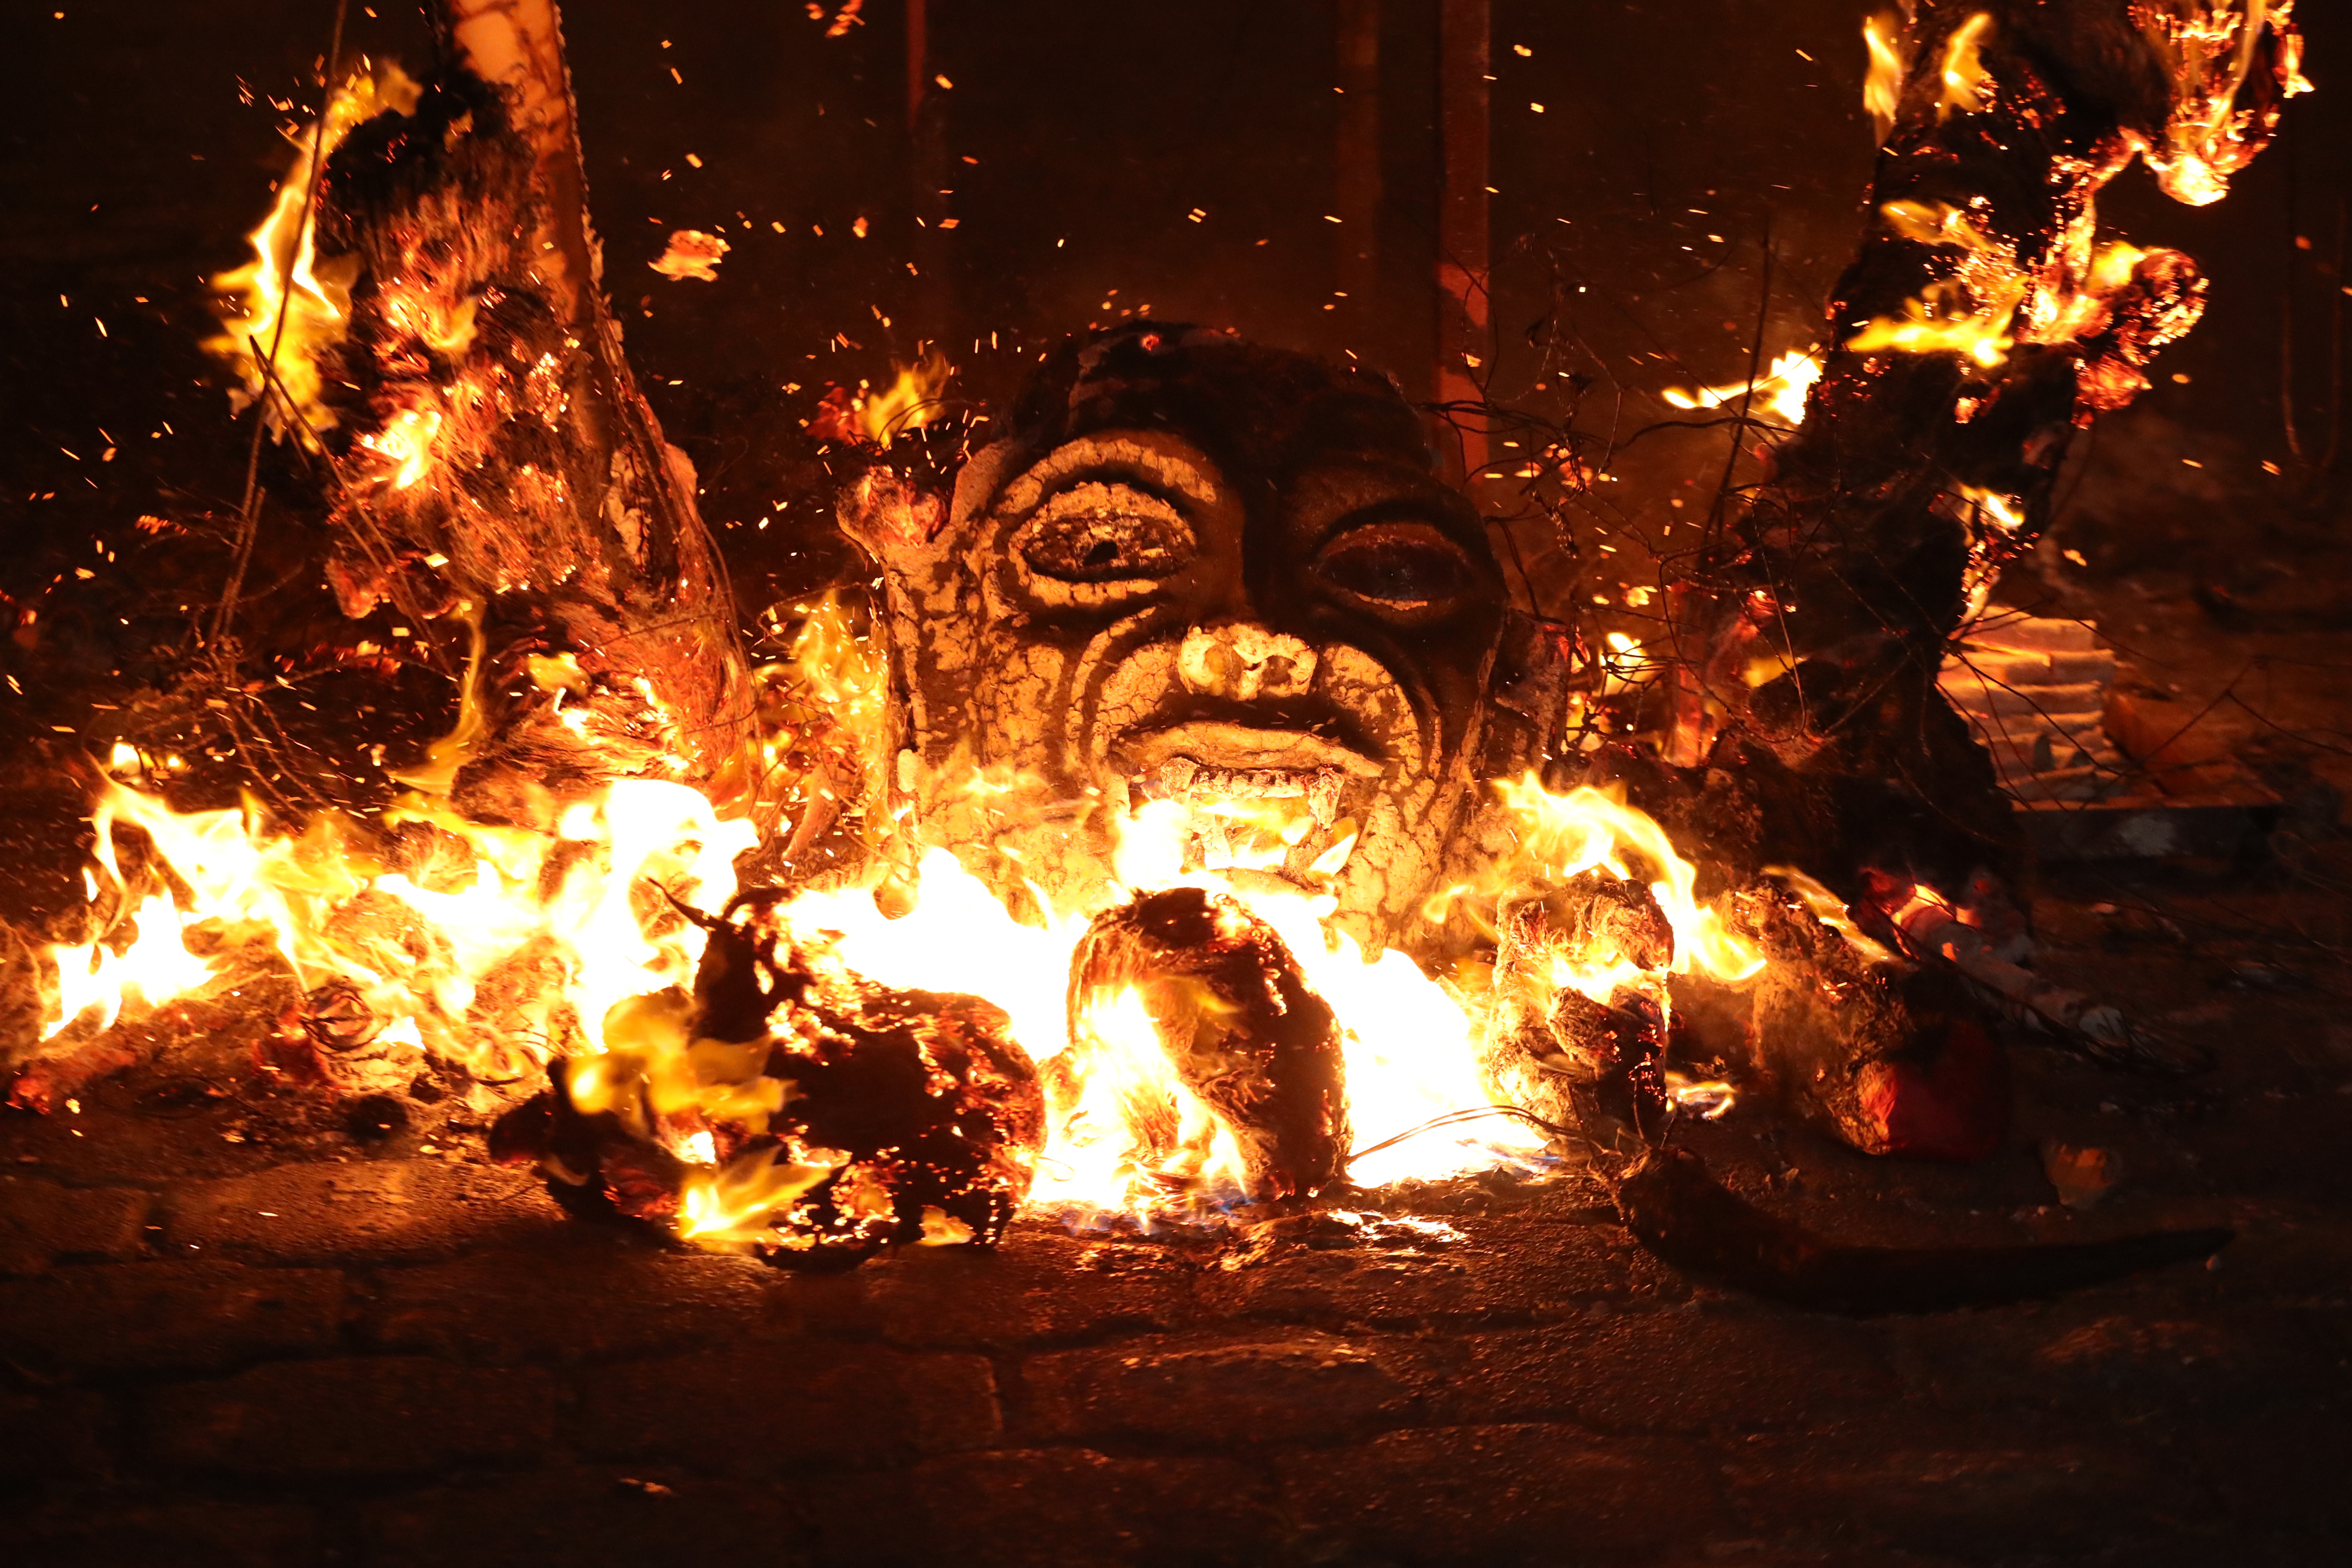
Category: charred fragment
[794,1108]
[1703,1229]
[1595,1066]
[1887,1053]
[1232,1012]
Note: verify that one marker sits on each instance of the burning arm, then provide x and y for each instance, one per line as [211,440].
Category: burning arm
[1985,320]
[491,460]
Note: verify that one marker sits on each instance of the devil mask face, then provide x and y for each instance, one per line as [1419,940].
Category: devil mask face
[1207,573]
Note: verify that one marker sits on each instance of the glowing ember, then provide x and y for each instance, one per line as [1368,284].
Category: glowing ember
[691,254]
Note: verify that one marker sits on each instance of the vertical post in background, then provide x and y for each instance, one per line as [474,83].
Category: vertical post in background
[927,165]
[1357,193]
[1463,340]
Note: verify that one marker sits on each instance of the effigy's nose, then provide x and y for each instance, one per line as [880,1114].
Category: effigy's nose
[1244,661]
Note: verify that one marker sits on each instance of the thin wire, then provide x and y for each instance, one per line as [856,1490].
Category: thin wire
[1451,1117]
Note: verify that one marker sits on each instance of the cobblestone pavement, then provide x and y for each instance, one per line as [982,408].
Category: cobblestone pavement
[233,1335]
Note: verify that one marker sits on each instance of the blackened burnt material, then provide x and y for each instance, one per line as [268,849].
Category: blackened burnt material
[1984,320]
[1235,1015]
[1706,1231]
[795,1108]
[1597,1067]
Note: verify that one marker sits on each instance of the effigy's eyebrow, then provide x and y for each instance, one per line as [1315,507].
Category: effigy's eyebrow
[1191,476]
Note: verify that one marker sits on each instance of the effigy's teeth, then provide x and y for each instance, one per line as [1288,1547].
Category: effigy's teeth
[1189,780]
[1323,797]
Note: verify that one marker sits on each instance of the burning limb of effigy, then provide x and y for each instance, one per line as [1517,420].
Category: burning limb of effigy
[1192,826]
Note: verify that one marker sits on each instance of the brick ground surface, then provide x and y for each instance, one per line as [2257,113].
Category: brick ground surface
[283,1347]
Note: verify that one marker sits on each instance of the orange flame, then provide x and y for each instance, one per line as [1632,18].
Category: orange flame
[2210,54]
[1882,88]
[909,403]
[1963,73]
[285,296]
[1782,388]
[574,901]
[421,940]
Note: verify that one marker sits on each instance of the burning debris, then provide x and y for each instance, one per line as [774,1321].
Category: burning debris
[1595,1064]
[1199,824]
[1883,1051]
[1186,980]
[691,254]
[792,1109]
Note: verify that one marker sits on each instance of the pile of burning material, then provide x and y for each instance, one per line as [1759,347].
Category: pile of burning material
[1200,823]
[2034,692]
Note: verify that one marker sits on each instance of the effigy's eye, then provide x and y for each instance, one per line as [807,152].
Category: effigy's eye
[1396,565]
[1103,533]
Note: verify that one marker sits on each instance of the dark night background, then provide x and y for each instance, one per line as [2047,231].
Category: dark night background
[1078,141]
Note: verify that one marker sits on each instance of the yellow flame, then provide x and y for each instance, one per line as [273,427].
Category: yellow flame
[1882,88]
[426,942]
[284,282]
[1782,389]
[1963,74]
[1562,834]
[734,1205]
[94,981]
[406,443]
[1937,223]
[417,942]
[1831,910]
[2208,53]
[1992,508]
[841,671]
[1945,318]
[909,403]
[2111,267]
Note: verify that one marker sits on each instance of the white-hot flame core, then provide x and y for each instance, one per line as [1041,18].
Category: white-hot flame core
[1781,390]
[1411,1048]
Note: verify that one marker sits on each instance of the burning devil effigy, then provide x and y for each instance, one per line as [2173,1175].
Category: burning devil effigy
[1191,827]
